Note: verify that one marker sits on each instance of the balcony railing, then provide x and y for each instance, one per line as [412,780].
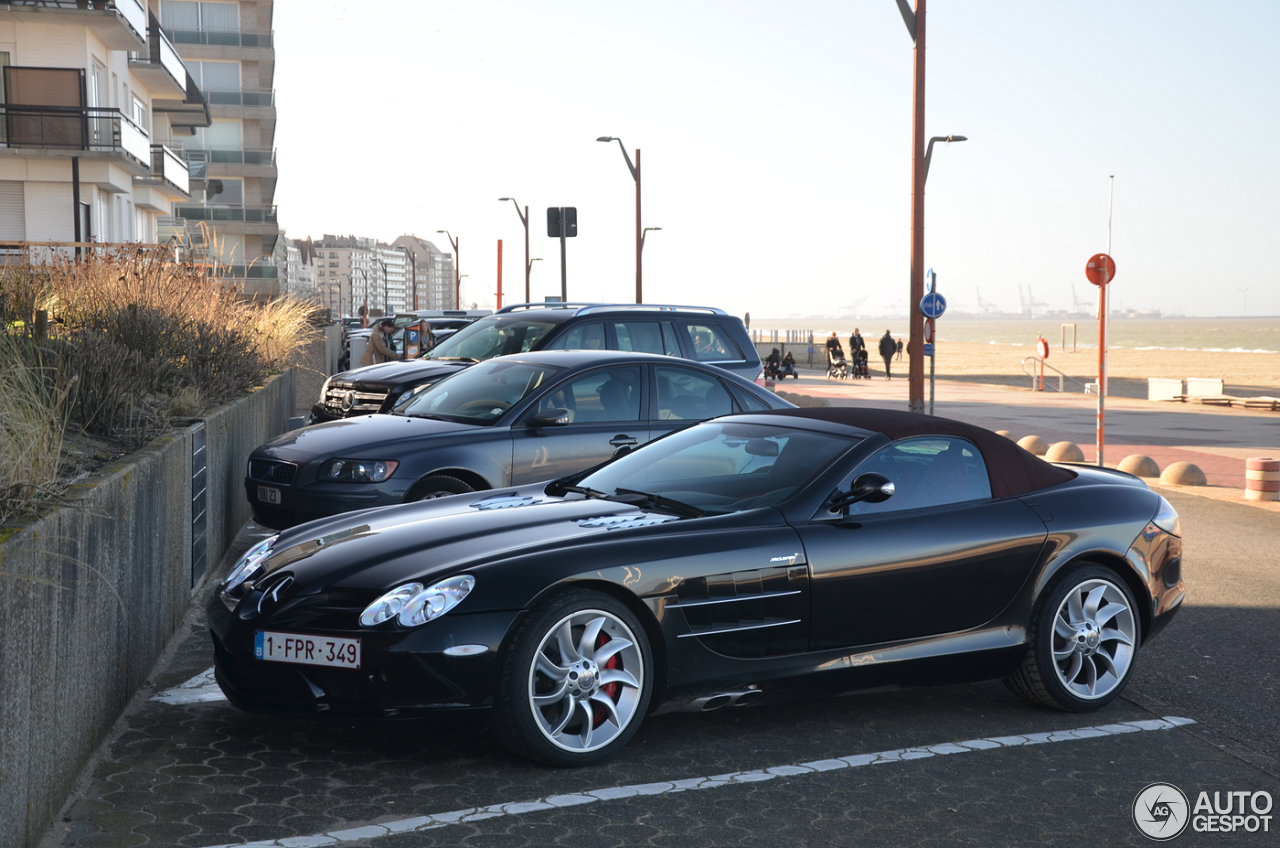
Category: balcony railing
[133,12]
[71,128]
[161,54]
[240,96]
[245,272]
[226,212]
[230,155]
[168,166]
[220,37]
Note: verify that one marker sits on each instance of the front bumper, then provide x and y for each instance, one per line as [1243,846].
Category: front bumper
[309,501]
[404,673]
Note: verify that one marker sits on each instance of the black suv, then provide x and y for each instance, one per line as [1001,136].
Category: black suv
[703,334]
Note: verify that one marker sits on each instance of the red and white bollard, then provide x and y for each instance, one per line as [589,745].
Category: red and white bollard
[1262,479]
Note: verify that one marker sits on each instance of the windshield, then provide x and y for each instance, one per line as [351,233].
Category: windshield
[480,395]
[723,466]
[489,337]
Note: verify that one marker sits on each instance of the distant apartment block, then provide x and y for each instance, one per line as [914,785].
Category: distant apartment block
[228,50]
[97,108]
[435,274]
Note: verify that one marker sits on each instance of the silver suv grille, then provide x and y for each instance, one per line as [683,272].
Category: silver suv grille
[345,400]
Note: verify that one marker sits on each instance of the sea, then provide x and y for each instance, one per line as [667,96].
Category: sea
[1240,335]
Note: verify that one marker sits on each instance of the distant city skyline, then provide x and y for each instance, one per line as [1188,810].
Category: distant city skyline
[776,147]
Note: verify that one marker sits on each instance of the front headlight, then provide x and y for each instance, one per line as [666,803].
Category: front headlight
[357,470]
[324,390]
[415,605]
[1167,519]
[249,565]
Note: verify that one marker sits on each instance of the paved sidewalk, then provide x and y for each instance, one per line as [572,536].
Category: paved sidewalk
[1216,439]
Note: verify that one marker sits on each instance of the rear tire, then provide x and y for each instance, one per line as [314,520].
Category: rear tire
[437,486]
[1084,641]
[576,681]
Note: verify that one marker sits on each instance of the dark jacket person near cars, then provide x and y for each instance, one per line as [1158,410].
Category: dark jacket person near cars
[888,347]
[378,350]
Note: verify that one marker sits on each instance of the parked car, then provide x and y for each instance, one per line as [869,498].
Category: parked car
[701,334]
[747,559]
[503,422]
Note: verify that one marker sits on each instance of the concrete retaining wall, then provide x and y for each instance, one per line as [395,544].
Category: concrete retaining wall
[91,593]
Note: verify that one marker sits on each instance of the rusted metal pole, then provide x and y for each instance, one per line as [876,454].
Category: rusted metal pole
[500,274]
[639,234]
[915,348]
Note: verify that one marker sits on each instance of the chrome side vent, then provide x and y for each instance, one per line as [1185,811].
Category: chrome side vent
[623,522]
[506,502]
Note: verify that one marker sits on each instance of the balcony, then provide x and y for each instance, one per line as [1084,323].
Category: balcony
[161,66]
[245,272]
[189,112]
[221,37]
[230,155]
[240,96]
[68,128]
[226,212]
[169,174]
[120,24]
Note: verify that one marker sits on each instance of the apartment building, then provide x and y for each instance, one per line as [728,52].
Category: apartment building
[434,270]
[96,106]
[229,52]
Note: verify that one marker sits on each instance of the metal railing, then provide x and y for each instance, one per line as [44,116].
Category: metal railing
[161,53]
[240,96]
[245,272]
[73,128]
[220,37]
[132,11]
[226,212]
[231,155]
[1036,379]
[169,166]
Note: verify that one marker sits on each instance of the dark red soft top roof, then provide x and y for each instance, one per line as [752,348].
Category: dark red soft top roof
[1013,471]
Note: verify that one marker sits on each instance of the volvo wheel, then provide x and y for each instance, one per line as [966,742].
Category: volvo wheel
[576,681]
[1084,641]
[437,486]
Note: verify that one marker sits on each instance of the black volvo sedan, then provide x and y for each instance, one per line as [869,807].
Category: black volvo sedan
[747,559]
[503,422]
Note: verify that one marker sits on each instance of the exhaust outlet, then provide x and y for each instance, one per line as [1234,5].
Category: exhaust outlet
[720,700]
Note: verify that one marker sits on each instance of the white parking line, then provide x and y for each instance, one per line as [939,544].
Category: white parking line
[435,820]
[200,689]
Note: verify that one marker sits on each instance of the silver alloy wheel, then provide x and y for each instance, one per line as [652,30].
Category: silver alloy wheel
[586,683]
[431,496]
[1094,632]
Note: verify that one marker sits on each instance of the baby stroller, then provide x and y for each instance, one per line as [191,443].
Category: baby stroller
[860,369]
[838,367]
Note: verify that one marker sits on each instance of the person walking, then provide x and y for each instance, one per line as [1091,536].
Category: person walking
[899,350]
[856,343]
[887,350]
[834,350]
[379,347]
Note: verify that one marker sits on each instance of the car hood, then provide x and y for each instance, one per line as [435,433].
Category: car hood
[377,433]
[376,549]
[400,371]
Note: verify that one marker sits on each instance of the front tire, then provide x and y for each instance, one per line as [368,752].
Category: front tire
[576,681]
[437,486]
[1084,640]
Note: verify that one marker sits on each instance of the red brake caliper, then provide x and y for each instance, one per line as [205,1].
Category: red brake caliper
[610,690]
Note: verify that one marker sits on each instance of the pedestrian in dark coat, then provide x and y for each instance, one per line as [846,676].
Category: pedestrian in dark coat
[888,347]
[899,349]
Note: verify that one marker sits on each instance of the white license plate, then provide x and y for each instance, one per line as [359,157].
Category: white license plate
[306,650]
[267,494]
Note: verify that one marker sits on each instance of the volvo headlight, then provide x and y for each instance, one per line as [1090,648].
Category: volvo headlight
[357,470]
[1167,519]
[249,565]
[414,605]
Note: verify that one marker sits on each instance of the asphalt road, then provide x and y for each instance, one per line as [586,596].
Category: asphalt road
[946,766]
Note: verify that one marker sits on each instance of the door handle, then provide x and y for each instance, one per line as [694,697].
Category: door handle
[622,439]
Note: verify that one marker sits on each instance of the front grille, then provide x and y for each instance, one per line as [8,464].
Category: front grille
[272,471]
[343,400]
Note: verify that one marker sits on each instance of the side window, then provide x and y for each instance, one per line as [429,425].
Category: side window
[609,395]
[640,336]
[670,340]
[748,401]
[690,396]
[710,344]
[926,471]
[581,337]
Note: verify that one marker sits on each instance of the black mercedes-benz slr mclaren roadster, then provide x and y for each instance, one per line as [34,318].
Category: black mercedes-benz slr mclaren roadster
[750,558]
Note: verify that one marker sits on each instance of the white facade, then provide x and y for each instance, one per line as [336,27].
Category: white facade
[116,73]
[435,273]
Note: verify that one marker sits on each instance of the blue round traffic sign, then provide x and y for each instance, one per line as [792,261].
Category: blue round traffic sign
[933,305]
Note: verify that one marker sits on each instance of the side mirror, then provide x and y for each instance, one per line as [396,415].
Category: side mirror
[870,487]
[551,418]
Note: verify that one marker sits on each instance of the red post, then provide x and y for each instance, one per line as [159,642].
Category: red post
[915,349]
[499,274]
[1102,360]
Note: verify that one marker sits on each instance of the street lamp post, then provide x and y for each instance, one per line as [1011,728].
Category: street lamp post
[457,265]
[524,219]
[412,259]
[646,232]
[528,270]
[459,295]
[386,301]
[635,174]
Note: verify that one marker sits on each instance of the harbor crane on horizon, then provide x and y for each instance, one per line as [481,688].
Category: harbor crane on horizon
[985,307]
[854,308]
[1029,302]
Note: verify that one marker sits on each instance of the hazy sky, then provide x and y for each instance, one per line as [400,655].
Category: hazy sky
[776,145]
